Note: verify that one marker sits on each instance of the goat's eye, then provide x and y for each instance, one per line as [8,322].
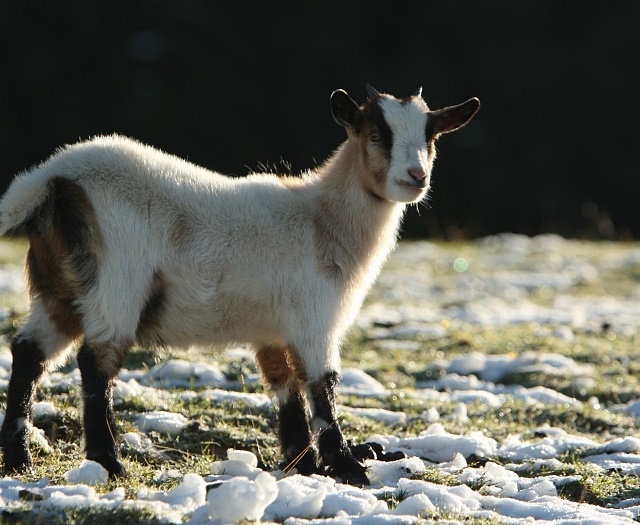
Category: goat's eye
[374,136]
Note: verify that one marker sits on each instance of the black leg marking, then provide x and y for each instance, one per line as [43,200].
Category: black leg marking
[334,450]
[295,434]
[99,419]
[28,366]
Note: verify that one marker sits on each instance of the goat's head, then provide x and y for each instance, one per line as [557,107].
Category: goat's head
[396,139]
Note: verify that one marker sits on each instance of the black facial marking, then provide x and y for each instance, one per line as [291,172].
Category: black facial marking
[374,117]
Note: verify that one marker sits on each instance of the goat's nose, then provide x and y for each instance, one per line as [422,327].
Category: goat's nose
[418,173]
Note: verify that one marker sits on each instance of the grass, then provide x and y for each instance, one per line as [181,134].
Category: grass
[613,354]
[77,516]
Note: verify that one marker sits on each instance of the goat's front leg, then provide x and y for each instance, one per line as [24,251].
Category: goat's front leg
[294,433]
[334,450]
[99,364]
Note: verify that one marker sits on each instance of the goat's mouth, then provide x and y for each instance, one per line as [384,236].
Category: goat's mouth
[417,186]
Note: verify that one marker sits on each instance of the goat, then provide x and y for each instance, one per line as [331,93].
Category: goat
[129,245]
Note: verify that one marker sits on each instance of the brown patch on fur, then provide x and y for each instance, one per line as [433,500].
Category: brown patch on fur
[46,280]
[151,315]
[62,259]
[280,367]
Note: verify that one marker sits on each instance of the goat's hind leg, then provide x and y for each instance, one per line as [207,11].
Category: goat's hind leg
[99,364]
[294,432]
[36,343]
[280,371]
[27,368]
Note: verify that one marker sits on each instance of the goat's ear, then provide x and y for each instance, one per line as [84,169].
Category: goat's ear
[344,110]
[452,118]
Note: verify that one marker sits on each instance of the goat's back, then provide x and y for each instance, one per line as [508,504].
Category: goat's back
[229,253]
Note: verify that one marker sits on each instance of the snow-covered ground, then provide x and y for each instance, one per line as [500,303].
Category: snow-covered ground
[425,290]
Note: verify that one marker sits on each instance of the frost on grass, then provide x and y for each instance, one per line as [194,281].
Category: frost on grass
[505,369]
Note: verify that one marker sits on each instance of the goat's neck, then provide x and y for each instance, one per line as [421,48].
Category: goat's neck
[356,229]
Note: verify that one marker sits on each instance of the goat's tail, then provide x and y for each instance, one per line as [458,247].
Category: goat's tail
[25,195]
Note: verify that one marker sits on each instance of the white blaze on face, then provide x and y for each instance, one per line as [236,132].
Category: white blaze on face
[407,122]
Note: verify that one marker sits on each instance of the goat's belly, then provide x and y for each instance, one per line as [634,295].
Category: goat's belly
[228,320]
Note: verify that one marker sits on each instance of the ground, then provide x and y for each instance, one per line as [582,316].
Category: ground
[505,369]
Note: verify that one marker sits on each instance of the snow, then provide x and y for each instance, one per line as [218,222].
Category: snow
[234,467]
[162,421]
[377,414]
[387,473]
[224,396]
[237,499]
[89,473]
[243,455]
[43,408]
[357,382]
[12,279]
[132,439]
[514,487]
[296,499]
[497,367]
[437,445]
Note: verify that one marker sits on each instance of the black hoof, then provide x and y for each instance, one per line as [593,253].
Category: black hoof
[349,471]
[393,456]
[355,476]
[305,465]
[363,452]
[17,459]
[113,465]
[374,450]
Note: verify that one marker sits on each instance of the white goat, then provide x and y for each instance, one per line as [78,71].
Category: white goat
[131,245]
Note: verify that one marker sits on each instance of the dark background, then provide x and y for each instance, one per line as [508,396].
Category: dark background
[230,85]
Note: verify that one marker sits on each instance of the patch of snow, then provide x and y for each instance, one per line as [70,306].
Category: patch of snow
[437,445]
[12,279]
[152,397]
[299,496]
[234,467]
[43,408]
[387,417]
[226,396]
[132,439]
[183,374]
[387,473]
[88,473]
[6,359]
[555,442]
[357,382]
[243,455]
[163,422]
[237,499]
